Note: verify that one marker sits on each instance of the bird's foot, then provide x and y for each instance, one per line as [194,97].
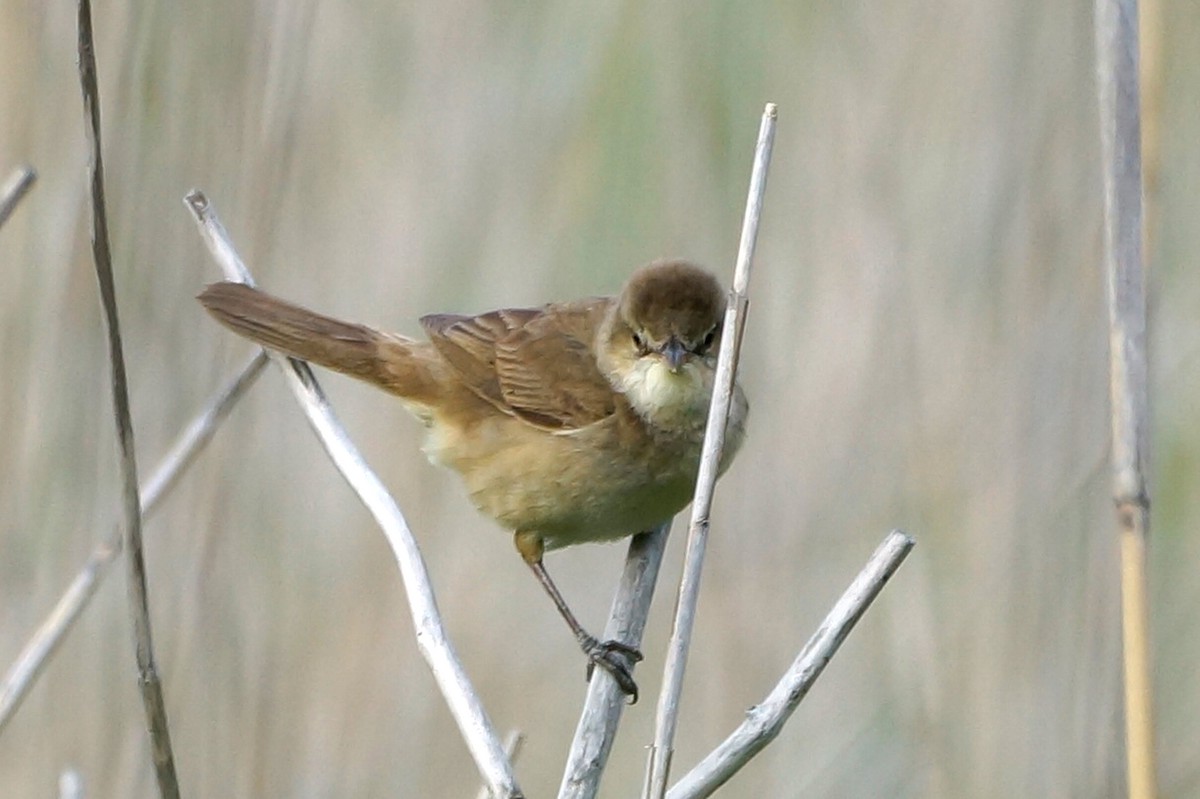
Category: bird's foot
[617,659]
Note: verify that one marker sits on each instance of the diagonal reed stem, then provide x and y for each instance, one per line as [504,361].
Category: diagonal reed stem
[23,674]
[605,701]
[765,719]
[13,190]
[667,712]
[139,603]
[465,705]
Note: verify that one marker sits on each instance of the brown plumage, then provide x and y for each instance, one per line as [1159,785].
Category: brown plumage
[573,422]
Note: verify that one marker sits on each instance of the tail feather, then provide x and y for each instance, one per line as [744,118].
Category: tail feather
[395,364]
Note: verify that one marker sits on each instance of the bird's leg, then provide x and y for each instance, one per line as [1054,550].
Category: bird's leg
[613,656]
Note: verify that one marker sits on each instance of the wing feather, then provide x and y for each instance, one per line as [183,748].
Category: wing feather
[536,364]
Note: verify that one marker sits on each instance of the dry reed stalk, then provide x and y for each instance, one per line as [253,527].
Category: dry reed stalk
[765,719]
[1120,133]
[465,705]
[149,683]
[14,190]
[23,674]
[667,711]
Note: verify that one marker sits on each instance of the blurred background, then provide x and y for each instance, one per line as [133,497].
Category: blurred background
[926,349]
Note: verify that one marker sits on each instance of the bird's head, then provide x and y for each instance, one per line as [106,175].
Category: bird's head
[659,344]
[670,311]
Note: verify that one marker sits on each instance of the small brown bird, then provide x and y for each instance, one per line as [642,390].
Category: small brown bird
[573,422]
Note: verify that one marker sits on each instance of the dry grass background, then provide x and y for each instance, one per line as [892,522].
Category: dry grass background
[926,349]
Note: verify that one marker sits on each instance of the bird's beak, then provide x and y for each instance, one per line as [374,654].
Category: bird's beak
[675,353]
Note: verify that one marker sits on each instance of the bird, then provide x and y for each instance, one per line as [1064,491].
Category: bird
[574,422]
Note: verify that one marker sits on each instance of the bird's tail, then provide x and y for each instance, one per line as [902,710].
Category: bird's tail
[396,364]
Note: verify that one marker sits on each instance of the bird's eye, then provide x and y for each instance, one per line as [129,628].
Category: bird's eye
[640,343]
[708,341]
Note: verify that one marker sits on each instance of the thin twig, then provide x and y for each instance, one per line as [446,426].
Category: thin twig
[14,189]
[41,647]
[1120,134]
[148,679]
[514,742]
[605,700]
[667,711]
[765,720]
[70,785]
[435,647]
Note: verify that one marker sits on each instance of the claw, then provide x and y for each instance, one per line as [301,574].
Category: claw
[613,656]
[617,659]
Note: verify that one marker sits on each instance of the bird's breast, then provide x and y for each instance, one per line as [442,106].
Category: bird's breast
[666,400]
[619,476]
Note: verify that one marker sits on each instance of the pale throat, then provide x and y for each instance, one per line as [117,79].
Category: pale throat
[674,400]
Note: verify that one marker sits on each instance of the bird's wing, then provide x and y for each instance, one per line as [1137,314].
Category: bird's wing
[536,364]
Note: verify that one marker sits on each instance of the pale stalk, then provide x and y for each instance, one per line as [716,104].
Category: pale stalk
[465,706]
[765,719]
[13,190]
[23,674]
[667,711]
[1120,134]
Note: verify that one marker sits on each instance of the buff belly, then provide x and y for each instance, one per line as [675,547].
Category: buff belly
[590,485]
[608,480]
